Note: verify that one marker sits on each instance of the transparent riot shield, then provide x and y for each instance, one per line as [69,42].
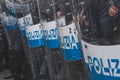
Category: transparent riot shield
[69,41]
[27,72]
[99,23]
[35,41]
[51,38]
[15,49]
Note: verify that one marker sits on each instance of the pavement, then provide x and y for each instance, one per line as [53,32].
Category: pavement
[5,73]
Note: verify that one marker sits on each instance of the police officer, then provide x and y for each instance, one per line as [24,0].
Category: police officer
[101,17]
[109,18]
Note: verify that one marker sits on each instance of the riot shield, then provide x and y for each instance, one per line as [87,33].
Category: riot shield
[51,39]
[33,39]
[70,46]
[99,24]
[15,49]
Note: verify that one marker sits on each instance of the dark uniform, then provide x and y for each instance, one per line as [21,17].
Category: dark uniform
[3,47]
[103,17]
[109,19]
[46,10]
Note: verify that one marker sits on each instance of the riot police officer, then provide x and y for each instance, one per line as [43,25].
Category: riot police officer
[101,18]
